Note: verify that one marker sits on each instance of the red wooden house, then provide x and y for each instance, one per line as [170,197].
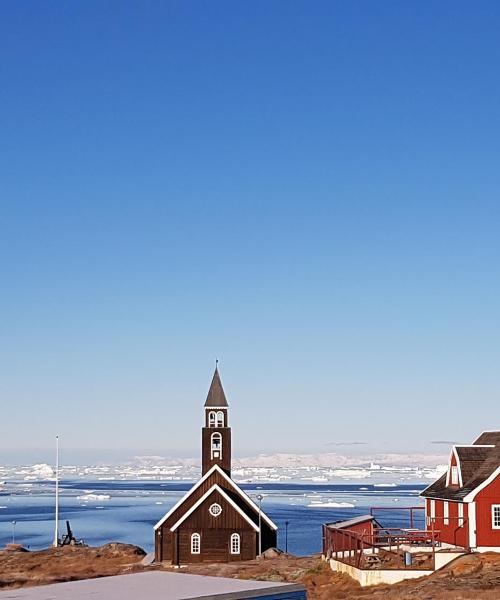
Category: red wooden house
[334,538]
[463,505]
[215,521]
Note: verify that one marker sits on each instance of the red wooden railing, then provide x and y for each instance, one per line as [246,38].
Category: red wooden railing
[359,549]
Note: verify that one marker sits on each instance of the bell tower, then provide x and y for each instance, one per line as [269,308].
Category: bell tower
[216,433]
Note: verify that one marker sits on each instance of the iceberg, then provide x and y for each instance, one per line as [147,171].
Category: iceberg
[328,504]
[93,497]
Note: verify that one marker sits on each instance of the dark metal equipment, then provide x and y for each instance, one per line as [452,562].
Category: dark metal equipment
[69,539]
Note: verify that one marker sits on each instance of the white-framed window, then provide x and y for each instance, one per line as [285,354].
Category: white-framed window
[216,445]
[235,543]
[212,418]
[460,514]
[495,516]
[431,512]
[195,543]
[446,513]
[215,509]
[220,419]
[454,475]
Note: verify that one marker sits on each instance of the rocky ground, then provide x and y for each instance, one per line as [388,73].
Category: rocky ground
[68,563]
[473,577]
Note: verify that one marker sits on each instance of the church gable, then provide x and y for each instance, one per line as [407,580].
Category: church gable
[215,510]
[215,476]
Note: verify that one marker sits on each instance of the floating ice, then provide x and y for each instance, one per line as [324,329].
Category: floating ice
[93,497]
[330,505]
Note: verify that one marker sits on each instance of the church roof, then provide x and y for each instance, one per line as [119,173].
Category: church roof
[216,396]
[231,489]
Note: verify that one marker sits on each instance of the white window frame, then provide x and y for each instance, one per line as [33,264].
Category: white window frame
[215,509]
[235,543]
[212,418]
[460,514]
[428,512]
[213,448]
[495,508]
[219,418]
[432,510]
[446,513]
[454,476]
[195,543]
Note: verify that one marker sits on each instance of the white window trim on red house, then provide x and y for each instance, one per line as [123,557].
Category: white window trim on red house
[454,452]
[471,522]
[449,478]
[495,517]
[446,512]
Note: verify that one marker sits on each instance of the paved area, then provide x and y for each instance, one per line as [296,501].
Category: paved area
[157,585]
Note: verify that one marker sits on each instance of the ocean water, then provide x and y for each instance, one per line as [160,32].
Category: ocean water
[125,511]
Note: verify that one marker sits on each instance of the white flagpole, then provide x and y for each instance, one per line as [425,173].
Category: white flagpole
[56,533]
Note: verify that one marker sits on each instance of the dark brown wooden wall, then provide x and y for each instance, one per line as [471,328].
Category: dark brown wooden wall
[215,531]
[228,519]
[215,535]
[215,546]
[206,461]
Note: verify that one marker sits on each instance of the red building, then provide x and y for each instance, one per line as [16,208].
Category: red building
[463,505]
[215,521]
[334,539]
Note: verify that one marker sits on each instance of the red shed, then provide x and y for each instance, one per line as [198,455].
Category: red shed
[335,541]
[463,505]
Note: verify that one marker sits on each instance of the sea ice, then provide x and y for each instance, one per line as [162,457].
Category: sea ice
[93,497]
[315,504]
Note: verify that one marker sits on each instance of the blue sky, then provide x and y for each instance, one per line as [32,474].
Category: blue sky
[307,191]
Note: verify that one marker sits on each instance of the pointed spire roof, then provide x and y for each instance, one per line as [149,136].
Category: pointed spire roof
[216,396]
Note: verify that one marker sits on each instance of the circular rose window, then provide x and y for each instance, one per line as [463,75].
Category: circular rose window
[215,510]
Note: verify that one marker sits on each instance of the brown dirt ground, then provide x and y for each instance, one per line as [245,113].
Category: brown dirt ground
[473,577]
[68,563]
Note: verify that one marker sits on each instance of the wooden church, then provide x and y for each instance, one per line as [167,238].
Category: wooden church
[215,521]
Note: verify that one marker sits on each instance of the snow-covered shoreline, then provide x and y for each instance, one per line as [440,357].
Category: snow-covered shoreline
[310,469]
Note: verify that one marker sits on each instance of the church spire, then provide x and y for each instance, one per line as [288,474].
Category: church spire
[216,396]
[216,433]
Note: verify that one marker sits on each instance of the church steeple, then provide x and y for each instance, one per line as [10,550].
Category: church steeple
[216,433]
[216,397]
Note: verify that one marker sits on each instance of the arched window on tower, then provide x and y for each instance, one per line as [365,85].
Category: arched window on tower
[195,543]
[235,543]
[212,419]
[216,445]
[220,419]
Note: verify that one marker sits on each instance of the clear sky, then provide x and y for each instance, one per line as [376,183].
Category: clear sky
[308,191]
